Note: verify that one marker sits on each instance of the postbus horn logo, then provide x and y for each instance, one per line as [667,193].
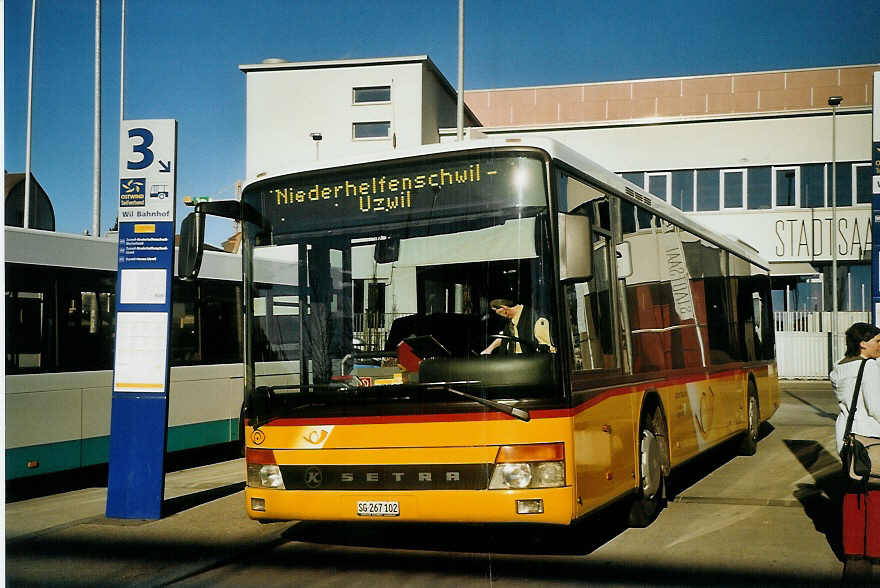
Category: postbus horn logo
[317,436]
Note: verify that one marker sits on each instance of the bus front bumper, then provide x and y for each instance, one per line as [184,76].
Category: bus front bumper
[541,506]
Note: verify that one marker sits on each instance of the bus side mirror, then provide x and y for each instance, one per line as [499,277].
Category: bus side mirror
[387,250]
[192,246]
[624,260]
[575,248]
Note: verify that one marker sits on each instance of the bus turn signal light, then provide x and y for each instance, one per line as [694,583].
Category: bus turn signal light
[259,456]
[536,452]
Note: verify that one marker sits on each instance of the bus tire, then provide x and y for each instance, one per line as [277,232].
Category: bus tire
[653,468]
[748,444]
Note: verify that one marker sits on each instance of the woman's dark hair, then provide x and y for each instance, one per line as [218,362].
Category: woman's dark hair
[856,334]
[499,302]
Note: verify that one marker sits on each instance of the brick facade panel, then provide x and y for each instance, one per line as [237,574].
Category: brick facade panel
[524,114]
[695,96]
[547,112]
[620,109]
[505,98]
[644,108]
[703,86]
[570,112]
[745,102]
[809,79]
[756,82]
[559,95]
[607,92]
[720,103]
[854,76]
[661,89]
[681,105]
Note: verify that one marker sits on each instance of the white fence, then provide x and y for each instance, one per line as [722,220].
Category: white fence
[803,342]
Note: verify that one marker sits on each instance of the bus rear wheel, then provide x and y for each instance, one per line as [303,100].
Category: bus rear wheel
[748,444]
[653,468]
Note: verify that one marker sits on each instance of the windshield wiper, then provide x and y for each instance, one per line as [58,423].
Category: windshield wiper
[264,395]
[518,413]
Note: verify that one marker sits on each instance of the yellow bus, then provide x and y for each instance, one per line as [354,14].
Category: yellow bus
[496,330]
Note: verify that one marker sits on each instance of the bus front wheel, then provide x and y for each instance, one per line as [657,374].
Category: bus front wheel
[653,468]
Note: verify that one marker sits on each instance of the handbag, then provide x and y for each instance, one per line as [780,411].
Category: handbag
[853,454]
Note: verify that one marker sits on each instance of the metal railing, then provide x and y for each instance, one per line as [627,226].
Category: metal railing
[815,321]
[371,329]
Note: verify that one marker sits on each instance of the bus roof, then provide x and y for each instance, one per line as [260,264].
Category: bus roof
[557,151]
[48,248]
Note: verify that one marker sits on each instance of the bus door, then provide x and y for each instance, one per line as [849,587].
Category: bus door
[603,429]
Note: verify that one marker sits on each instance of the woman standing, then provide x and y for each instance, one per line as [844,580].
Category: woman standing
[862,342]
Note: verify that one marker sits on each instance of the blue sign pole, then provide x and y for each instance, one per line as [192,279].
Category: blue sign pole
[875,221]
[141,375]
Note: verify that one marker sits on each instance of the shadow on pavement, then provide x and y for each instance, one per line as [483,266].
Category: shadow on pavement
[818,410]
[172,506]
[581,538]
[823,500]
[497,553]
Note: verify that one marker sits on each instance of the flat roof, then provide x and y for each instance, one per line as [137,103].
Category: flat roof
[276,64]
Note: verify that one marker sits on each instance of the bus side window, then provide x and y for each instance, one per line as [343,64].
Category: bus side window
[663,300]
[590,313]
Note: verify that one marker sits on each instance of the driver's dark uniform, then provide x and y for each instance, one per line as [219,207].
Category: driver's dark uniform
[524,330]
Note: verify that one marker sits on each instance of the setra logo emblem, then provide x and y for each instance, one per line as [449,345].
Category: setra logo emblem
[258,437]
[313,477]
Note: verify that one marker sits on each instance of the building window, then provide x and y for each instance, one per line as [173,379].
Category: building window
[371,130]
[637,178]
[861,182]
[659,185]
[759,193]
[733,188]
[844,184]
[786,186]
[683,190]
[371,95]
[708,190]
[813,185]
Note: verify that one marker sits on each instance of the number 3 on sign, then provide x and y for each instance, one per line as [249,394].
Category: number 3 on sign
[143,148]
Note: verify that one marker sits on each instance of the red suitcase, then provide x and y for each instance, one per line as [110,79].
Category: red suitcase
[861,524]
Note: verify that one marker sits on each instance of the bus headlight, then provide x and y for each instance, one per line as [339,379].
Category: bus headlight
[511,475]
[264,476]
[506,476]
[550,474]
[529,466]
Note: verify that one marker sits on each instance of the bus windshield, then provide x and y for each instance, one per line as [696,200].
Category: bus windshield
[393,282]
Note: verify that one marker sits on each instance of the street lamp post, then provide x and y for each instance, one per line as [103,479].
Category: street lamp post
[834,102]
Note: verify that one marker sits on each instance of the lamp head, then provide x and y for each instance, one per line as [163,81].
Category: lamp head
[834,100]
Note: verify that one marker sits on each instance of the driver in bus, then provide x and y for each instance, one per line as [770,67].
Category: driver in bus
[522,334]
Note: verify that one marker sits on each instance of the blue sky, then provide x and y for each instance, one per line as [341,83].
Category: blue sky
[182,60]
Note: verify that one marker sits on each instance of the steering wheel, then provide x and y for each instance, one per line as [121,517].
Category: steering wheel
[508,338]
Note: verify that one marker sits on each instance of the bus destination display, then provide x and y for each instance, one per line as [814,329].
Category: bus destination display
[368,195]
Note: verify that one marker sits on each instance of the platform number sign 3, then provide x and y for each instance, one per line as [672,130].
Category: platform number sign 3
[143,148]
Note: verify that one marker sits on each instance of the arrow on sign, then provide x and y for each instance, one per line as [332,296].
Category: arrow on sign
[164,166]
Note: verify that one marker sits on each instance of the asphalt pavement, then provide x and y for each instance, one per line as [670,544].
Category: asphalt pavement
[773,515]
